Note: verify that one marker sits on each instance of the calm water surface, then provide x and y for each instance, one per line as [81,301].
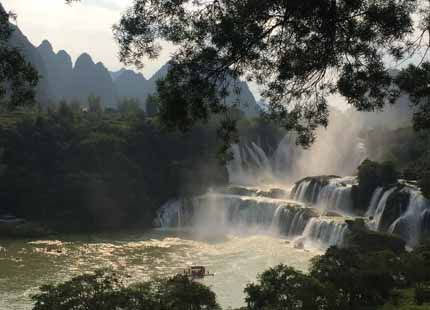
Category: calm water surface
[235,259]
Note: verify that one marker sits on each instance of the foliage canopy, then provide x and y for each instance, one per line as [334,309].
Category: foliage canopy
[18,78]
[300,52]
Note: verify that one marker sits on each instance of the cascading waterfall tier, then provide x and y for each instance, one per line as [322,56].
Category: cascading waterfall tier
[323,231]
[400,209]
[250,164]
[222,213]
[329,193]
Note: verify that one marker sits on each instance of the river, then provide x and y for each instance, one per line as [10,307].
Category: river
[236,259]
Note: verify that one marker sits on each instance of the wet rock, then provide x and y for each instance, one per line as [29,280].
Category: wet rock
[275,193]
[366,240]
[332,214]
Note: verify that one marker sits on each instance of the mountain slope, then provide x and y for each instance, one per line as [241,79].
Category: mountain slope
[20,41]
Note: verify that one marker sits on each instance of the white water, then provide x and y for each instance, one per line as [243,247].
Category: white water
[409,224]
[336,196]
[376,216]
[218,214]
[338,150]
[321,232]
[374,201]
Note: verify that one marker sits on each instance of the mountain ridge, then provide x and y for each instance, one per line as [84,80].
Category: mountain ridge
[61,79]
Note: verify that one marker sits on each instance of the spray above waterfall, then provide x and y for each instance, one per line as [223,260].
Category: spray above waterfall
[339,150]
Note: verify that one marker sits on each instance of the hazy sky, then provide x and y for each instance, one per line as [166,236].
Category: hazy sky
[81,27]
[85,27]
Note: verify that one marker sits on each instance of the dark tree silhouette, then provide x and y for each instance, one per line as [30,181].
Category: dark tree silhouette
[18,78]
[299,51]
[415,80]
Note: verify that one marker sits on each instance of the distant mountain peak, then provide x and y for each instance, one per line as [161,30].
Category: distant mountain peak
[46,45]
[130,74]
[101,66]
[84,60]
[64,57]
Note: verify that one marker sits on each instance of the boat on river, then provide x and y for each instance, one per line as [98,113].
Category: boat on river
[197,272]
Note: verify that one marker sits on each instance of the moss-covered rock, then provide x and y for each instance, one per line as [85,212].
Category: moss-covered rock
[359,236]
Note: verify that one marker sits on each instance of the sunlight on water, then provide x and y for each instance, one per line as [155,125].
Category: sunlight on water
[235,260]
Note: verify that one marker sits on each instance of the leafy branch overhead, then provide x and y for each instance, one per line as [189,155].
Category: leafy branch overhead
[17,77]
[299,51]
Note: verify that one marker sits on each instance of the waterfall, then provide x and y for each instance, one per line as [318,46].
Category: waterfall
[376,216]
[236,171]
[323,233]
[221,213]
[264,160]
[285,158]
[338,150]
[333,196]
[169,214]
[276,220]
[374,201]
[409,224]
[336,195]
[250,165]
[300,193]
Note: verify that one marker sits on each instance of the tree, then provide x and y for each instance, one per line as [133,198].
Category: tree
[129,107]
[181,293]
[359,279]
[18,78]
[282,287]
[104,290]
[299,51]
[99,290]
[152,105]
[95,105]
[415,81]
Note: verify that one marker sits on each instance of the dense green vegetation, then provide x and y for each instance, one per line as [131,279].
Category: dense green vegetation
[105,290]
[89,170]
[342,278]
[94,170]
